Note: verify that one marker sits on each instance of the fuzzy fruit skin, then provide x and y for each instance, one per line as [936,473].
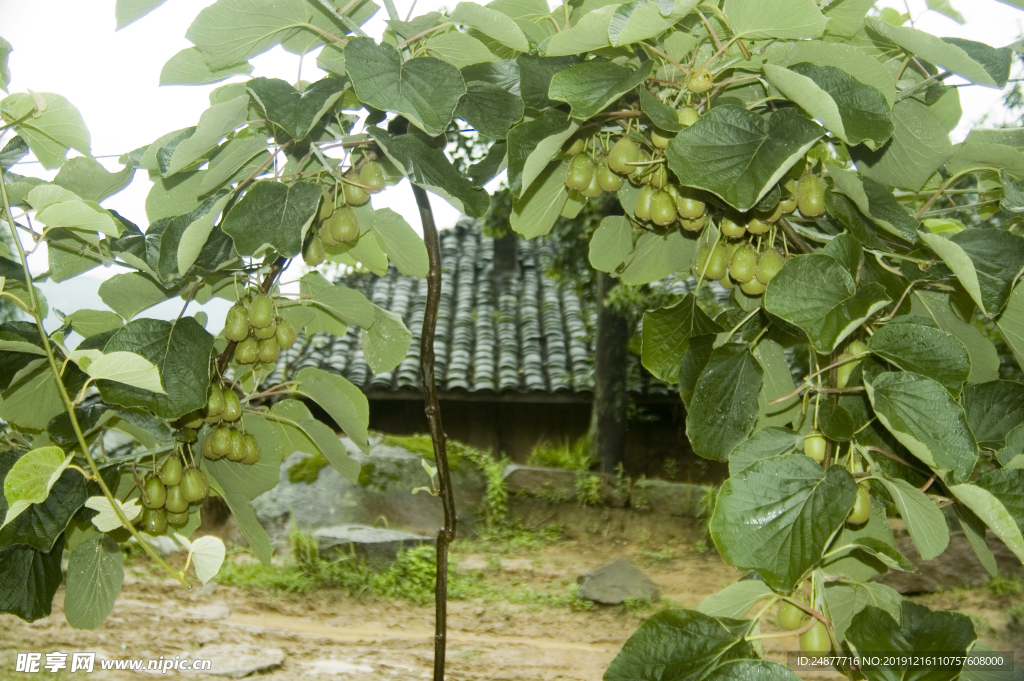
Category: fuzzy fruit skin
[266,332]
[232,406]
[155,493]
[221,441]
[261,311]
[593,189]
[608,179]
[372,175]
[208,449]
[717,263]
[623,153]
[355,196]
[700,82]
[658,140]
[791,617]
[810,196]
[343,225]
[731,229]
[268,351]
[845,371]
[788,205]
[177,518]
[193,419]
[153,521]
[286,335]
[170,471]
[642,208]
[176,501]
[577,146]
[753,287]
[755,226]
[236,323]
[814,446]
[237,452]
[687,116]
[246,351]
[663,209]
[727,283]
[214,401]
[690,209]
[743,264]
[861,512]
[194,485]
[693,225]
[579,173]
[314,254]
[768,265]
[658,177]
[326,205]
[252,450]
[815,639]
[636,175]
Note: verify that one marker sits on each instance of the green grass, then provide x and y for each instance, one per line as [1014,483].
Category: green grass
[577,456]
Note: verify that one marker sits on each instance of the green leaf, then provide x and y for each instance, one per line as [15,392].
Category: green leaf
[1011,324]
[660,113]
[786,19]
[173,196]
[273,214]
[123,367]
[29,578]
[752,670]
[924,350]
[923,416]
[296,112]
[186,238]
[974,530]
[656,256]
[332,59]
[845,600]
[180,350]
[535,212]
[535,74]
[30,478]
[996,498]
[764,443]
[997,258]
[861,565]
[344,402]
[876,202]
[207,556]
[214,124]
[612,243]
[778,382]
[852,111]
[424,89]
[993,410]
[815,293]
[299,431]
[857,62]
[95,574]
[130,293]
[88,179]
[974,156]
[255,536]
[588,34]
[230,32]
[58,208]
[680,645]
[984,359]
[489,108]
[128,11]
[106,519]
[491,23]
[919,147]
[348,305]
[532,144]
[924,520]
[592,86]
[736,600]
[457,49]
[49,123]
[33,397]
[667,332]
[638,20]
[42,523]
[976,62]
[401,242]
[917,631]
[738,155]
[189,67]
[427,166]
[778,516]
[5,70]
[723,409]
[232,162]
[386,342]
[326,17]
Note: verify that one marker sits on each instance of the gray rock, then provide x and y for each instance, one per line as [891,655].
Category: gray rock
[377,545]
[956,566]
[615,582]
[669,498]
[237,661]
[552,484]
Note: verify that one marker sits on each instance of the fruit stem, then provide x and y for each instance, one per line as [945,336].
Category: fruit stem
[792,236]
[66,399]
[667,58]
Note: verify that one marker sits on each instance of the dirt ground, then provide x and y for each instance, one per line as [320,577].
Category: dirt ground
[329,635]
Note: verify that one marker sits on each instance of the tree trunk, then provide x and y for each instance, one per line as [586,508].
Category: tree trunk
[608,414]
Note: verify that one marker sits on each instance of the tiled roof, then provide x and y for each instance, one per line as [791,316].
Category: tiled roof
[511,331]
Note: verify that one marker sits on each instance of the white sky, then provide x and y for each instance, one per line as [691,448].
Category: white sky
[69,47]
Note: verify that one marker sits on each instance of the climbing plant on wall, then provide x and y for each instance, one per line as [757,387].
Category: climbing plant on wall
[795,152]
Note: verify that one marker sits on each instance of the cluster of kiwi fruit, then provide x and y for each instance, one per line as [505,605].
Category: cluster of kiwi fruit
[815,640]
[259,334]
[339,224]
[226,439]
[167,493]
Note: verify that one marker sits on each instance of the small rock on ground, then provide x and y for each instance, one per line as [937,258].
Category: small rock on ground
[376,544]
[236,661]
[614,582]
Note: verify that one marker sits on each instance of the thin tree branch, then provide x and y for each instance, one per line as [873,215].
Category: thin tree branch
[433,411]
[793,237]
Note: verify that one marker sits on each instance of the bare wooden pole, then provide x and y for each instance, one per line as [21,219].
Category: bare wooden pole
[433,410]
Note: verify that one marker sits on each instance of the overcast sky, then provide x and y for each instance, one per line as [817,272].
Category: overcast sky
[70,47]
